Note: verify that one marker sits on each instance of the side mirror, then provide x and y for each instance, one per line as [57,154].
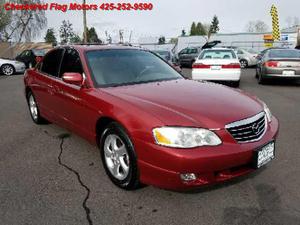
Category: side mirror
[73,78]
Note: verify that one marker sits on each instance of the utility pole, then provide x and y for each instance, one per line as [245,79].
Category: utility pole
[84,25]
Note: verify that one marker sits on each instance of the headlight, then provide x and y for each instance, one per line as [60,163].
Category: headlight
[268,112]
[183,137]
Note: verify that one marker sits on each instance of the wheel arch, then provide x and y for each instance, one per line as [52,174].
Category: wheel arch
[27,90]
[9,64]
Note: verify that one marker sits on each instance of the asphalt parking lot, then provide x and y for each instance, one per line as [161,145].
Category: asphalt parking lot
[51,176]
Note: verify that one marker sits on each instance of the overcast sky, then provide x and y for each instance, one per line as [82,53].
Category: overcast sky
[169,17]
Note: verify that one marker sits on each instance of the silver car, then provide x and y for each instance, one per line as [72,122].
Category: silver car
[247,57]
[9,67]
[279,63]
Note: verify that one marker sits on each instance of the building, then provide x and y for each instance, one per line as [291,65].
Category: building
[245,40]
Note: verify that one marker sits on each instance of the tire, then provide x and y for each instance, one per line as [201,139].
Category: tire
[118,157]
[244,63]
[34,110]
[7,69]
[236,83]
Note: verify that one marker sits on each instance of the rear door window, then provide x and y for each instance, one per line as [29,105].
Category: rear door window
[51,62]
[284,54]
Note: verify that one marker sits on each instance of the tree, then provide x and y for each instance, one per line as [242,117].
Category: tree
[161,40]
[25,24]
[5,17]
[66,32]
[214,27]
[50,36]
[193,29]
[292,21]
[92,36]
[200,29]
[75,39]
[256,26]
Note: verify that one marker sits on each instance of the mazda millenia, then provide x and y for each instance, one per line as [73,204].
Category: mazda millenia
[152,126]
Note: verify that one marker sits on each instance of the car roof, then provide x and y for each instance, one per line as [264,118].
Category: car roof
[218,48]
[87,47]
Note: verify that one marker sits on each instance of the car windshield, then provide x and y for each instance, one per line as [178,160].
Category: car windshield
[284,54]
[39,52]
[217,54]
[116,67]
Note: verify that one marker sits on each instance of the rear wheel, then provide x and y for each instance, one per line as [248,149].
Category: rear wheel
[118,157]
[7,70]
[244,63]
[34,110]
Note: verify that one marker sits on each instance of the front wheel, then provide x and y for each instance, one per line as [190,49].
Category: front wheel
[7,70]
[118,157]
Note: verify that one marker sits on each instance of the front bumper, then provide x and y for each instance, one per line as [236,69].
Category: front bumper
[161,166]
[20,68]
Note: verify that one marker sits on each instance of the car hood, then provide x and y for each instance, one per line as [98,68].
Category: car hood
[189,103]
[7,61]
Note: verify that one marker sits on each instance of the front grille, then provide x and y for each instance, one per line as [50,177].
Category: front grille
[248,130]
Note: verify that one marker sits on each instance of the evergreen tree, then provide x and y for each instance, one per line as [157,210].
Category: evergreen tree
[66,32]
[92,36]
[193,29]
[214,27]
[200,29]
[50,36]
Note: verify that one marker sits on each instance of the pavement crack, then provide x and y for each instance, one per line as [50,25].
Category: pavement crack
[62,137]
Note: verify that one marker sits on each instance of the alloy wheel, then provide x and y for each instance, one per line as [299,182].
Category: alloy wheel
[33,107]
[244,64]
[116,157]
[7,70]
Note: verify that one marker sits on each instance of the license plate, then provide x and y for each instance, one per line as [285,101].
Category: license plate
[215,67]
[288,72]
[264,155]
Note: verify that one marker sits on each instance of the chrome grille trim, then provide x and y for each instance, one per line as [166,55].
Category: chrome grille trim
[243,132]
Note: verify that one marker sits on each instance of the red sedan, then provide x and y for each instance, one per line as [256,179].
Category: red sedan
[152,126]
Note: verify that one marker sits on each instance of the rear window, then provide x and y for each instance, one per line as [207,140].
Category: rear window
[39,52]
[284,54]
[217,54]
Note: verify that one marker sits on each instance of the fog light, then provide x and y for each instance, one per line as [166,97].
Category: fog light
[188,176]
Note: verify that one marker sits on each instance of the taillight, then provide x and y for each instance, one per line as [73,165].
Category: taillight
[231,66]
[200,66]
[271,64]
